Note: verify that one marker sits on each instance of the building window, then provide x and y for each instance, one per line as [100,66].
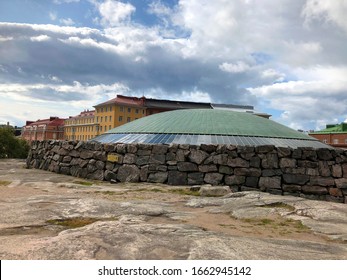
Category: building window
[105,127]
[121,109]
[106,109]
[105,118]
[336,141]
[325,141]
[129,110]
[110,118]
[128,119]
[120,118]
[100,128]
[101,119]
[346,141]
[136,111]
[97,119]
[102,109]
[109,127]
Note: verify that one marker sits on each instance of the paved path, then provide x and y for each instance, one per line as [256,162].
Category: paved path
[50,216]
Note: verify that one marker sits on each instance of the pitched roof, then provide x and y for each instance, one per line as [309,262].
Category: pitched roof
[125,100]
[52,121]
[333,129]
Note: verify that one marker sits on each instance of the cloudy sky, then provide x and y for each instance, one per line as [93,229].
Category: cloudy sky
[287,58]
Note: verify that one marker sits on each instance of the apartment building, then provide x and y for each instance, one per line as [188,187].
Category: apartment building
[46,129]
[81,127]
[118,111]
[334,135]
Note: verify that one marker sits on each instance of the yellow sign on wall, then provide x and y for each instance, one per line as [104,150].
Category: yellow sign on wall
[112,157]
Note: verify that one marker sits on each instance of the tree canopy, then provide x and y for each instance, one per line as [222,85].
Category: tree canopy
[11,146]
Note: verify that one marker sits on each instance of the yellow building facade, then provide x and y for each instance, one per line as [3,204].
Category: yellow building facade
[81,127]
[118,111]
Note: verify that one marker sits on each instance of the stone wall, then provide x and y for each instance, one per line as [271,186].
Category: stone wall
[310,173]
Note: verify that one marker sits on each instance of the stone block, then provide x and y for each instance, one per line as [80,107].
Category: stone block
[287,163]
[160,149]
[109,175]
[341,183]
[270,161]
[337,171]
[252,182]
[317,190]
[100,165]
[322,181]
[131,148]
[195,178]
[213,178]
[100,155]
[221,159]
[197,156]
[249,172]
[295,179]
[158,177]
[187,166]
[335,192]
[129,158]
[86,154]
[266,183]
[234,180]
[324,169]
[291,188]
[181,155]
[121,148]
[144,173]
[324,154]
[254,162]
[209,148]
[142,160]
[157,159]
[214,191]
[96,175]
[284,152]
[177,178]
[225,170]
[263,149]
[208,168]
[308,153]
[237,162]
[128,173]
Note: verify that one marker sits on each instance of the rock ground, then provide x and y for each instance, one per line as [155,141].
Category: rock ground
[44,215]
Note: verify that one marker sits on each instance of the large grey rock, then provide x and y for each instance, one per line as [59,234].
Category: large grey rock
[128,173]
[213,178]
[214,191]
[266,183]
[234,180]
[295,179]
[158,177]
[195,178]
[187,166]
[197,156]
[177,178]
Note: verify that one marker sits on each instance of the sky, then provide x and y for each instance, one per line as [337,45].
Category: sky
[287,58]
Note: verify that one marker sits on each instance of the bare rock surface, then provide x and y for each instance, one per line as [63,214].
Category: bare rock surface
[44,215]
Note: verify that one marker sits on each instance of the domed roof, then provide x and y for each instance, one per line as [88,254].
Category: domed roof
[206,126]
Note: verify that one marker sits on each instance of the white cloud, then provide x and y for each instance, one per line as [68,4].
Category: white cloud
[237,67]
[40,38]
[66,21]
[327,11]
[53,15]
[114,13]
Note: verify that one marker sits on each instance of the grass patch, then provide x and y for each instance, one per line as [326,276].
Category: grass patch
[285,226]
[5,183]
[84,183]
[278,205]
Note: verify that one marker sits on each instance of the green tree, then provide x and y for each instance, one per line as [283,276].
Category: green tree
[10,146]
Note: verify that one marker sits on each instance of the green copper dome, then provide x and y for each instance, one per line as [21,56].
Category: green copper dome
[206,126]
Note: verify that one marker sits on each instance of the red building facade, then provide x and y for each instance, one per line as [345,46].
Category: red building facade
[47,129]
